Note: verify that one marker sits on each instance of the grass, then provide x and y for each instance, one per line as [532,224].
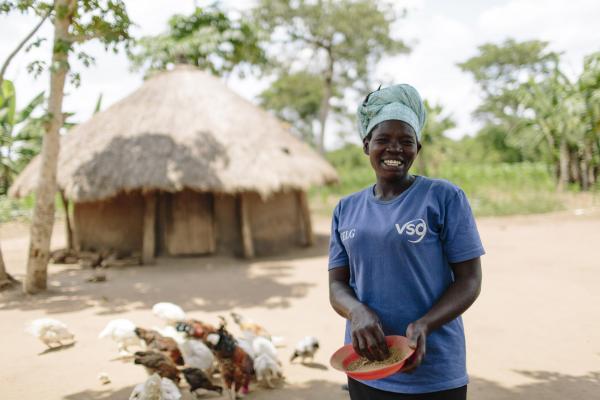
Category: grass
[22,209]
[492,189]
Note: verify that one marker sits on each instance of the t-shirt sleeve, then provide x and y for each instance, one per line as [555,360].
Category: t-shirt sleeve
[460,237]
[337,252]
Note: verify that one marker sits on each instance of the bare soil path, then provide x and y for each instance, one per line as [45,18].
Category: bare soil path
[533,334]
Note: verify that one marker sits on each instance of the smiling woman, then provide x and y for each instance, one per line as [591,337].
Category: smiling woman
[404,258]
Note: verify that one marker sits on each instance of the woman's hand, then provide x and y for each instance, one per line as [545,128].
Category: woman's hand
[368,338]
[417,336]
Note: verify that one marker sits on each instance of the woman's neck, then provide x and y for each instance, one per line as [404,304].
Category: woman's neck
[389,189]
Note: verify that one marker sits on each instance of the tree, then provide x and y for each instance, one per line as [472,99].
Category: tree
[433,139]
[208,39]
[75,22]
[340,41]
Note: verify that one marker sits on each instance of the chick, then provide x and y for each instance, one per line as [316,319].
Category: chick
[198,380]
[52,332]
[157,363]
[267,369]
[306,348]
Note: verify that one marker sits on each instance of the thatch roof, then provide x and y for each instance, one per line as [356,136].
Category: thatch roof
[181,129]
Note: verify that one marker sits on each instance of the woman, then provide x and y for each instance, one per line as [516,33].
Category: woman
[404,258]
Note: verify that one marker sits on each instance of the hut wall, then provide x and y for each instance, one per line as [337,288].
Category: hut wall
[275,222]
[113,224]
[229,240]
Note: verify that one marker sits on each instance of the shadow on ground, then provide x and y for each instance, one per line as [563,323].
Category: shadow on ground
[315,389]
[549,386]
[203,283]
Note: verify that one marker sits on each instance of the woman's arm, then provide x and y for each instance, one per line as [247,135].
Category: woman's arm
[456,299]
[367,335]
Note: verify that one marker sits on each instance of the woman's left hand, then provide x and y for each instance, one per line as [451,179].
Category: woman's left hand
[417,336]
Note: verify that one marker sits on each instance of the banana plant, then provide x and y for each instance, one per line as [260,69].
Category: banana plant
[20,133]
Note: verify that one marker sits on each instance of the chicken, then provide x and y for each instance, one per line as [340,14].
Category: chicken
[169,312]
[198,380]
[158,342]
[50,331]
[248,327]
[261,346]
[267,369]
[195,353]
[196,329]
[159,363]
[156,388]
[235,365]
[121,331]
[306,348]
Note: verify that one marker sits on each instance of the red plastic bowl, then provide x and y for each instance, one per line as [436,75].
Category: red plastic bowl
[346,354]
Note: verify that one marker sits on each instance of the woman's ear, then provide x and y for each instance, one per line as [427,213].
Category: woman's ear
[418,147]
[366,145]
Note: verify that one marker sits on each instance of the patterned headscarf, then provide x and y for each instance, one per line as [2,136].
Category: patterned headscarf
[399,102]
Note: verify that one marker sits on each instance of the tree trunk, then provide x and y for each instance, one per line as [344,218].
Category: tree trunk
[563,165]
[6,280]
[328,90]
[43,213]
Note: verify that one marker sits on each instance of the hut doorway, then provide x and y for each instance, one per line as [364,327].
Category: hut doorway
[186,223]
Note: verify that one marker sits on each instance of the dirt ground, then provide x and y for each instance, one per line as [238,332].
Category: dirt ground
[534,333]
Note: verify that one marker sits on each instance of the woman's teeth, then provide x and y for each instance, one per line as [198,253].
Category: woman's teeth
[392,163]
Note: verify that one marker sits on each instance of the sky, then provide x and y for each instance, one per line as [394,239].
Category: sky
[441,34]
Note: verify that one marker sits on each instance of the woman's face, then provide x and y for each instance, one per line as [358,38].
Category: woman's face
[392,148]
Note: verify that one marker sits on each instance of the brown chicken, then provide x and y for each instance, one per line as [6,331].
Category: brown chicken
[196,329]
[159,363]
[158,342]
[235,364]
[249,326]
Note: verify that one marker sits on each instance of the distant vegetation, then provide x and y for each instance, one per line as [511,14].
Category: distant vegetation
[493,189]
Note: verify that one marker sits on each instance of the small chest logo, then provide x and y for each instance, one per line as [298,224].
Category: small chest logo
[415,230]
[349,234]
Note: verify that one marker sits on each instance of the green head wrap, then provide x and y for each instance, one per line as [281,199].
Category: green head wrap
[398,102]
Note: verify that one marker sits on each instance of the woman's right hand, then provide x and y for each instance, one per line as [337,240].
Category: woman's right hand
[367,334]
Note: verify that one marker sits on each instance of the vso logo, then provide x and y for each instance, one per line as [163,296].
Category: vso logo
[415,230]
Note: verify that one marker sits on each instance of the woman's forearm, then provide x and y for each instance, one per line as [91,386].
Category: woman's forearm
[459,296]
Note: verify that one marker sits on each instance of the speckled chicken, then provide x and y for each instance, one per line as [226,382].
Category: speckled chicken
[159,363]
[197,379]
[306,348]
[235,364]
[196,329]
[158,342]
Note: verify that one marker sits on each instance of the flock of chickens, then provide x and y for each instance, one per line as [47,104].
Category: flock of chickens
[191,349]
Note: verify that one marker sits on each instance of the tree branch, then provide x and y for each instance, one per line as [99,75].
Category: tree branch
[20,45]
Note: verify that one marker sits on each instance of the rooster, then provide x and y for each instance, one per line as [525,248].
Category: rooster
[198,380]
[51,332]
[159,363]
[158,342]
[235,365]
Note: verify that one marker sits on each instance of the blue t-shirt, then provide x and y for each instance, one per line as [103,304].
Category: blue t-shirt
[398,252]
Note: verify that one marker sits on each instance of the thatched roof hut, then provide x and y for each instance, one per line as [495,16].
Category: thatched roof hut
[184,155]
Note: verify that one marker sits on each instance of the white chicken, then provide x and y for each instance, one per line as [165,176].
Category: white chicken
[50,331]
[122,331]
[306,348]
[156,388]
[267,369]
[169,312]
[266,364]
[195,353]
